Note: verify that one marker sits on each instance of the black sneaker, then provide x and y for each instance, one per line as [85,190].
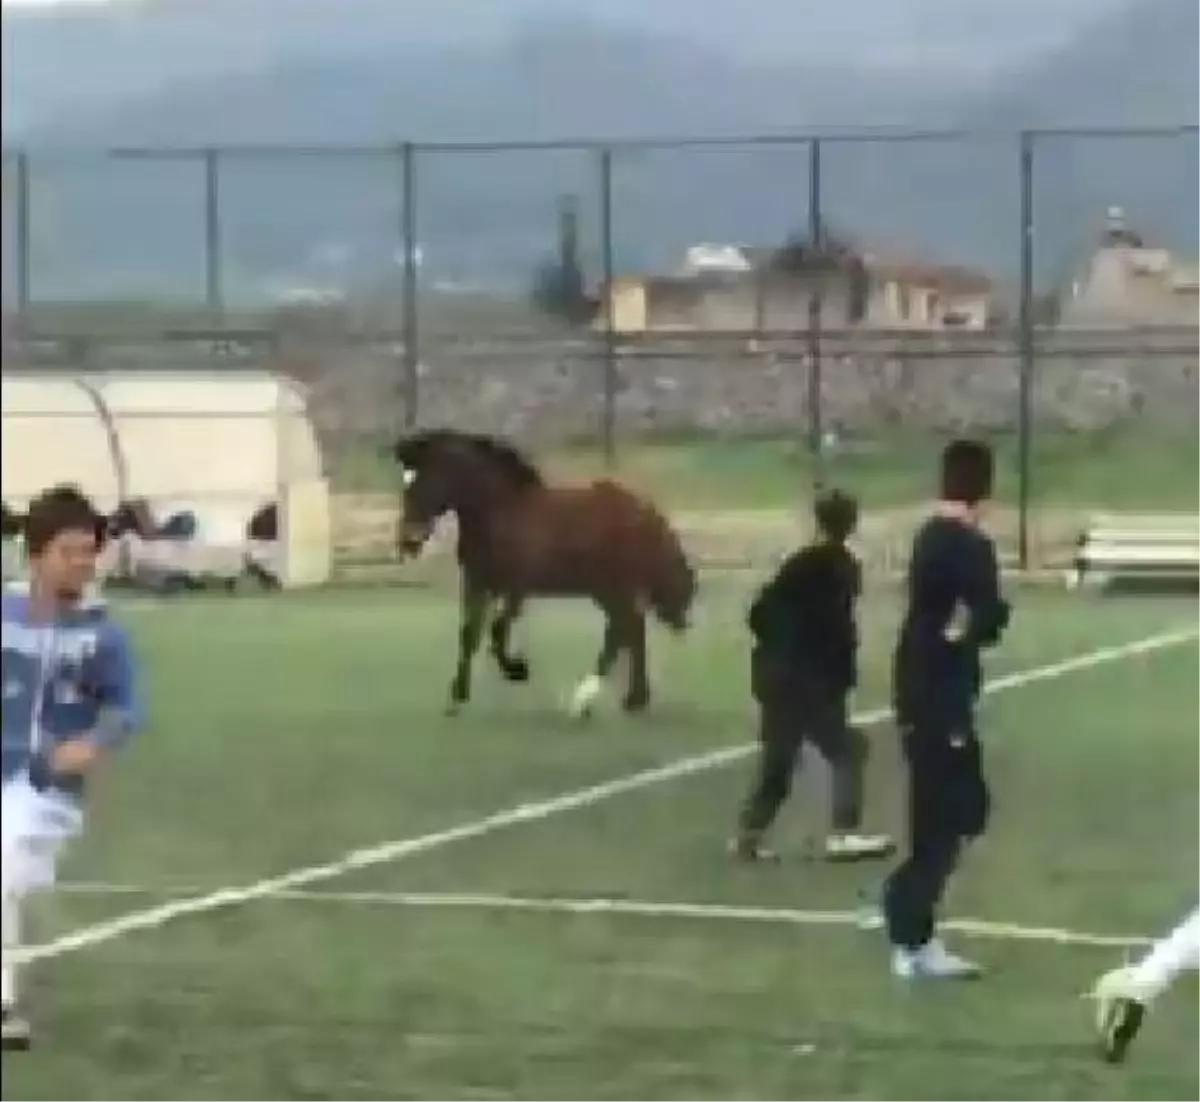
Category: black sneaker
[1122,1018]
[16,1036]
[1119,1013]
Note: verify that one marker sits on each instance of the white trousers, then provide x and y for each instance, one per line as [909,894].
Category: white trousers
[1168,958]
[34,828]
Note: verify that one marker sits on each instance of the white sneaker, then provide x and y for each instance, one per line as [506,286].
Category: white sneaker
[1120,1010]
[933,961]
[858,847]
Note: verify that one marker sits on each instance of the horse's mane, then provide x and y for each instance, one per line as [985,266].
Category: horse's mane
[412,449]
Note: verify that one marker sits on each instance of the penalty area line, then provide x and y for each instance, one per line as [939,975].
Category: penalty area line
[650,909]
[533,811]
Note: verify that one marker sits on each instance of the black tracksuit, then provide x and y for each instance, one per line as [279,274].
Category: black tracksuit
[803,666]
[954,610]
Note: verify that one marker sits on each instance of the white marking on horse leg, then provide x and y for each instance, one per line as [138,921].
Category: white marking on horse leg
[585,695]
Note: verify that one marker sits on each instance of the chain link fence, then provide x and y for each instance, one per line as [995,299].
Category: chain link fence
[724,323]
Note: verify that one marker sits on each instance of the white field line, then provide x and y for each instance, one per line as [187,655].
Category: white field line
[152,917]
[644,908]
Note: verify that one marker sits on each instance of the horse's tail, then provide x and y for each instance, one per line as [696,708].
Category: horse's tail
[671,585]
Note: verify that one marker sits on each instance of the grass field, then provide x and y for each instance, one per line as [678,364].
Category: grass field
[290,732]
[1127,468]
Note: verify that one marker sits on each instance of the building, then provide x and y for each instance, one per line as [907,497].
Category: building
[223,444]
[1126,282]
[739,289]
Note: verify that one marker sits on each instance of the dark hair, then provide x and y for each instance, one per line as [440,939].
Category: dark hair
[837,515]
[62,508]
[966,472]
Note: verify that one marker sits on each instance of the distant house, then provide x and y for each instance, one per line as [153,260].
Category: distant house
[728,288]
[1126,282]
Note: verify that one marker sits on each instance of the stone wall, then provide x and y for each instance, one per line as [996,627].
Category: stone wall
[547,390]
[540,387]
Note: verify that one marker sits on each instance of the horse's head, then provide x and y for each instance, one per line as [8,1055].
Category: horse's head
[444,471]
[674,593]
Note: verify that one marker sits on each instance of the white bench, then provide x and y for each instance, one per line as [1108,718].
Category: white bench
[1162,547]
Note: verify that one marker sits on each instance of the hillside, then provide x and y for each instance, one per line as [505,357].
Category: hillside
[487,219]
[103,53]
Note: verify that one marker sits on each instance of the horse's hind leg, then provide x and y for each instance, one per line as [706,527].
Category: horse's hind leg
[514,667]
[470,632]
[589,688]
[637,696]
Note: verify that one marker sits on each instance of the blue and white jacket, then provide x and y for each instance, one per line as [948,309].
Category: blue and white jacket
[64,679]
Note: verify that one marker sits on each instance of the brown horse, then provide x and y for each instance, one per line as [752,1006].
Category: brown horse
[518,537]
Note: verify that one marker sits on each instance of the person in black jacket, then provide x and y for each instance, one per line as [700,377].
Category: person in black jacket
[803,667]
[954,610]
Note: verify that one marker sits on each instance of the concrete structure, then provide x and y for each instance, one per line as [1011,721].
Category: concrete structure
[1126,282]
[727,289]
[220,444]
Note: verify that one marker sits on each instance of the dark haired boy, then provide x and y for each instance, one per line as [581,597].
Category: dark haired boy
[803,668]
[954,610]
[70,694]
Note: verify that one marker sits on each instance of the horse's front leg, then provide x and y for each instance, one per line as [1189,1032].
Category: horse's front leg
[591,686]
[514,667]
[470,632]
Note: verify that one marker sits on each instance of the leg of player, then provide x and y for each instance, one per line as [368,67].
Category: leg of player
[845,749]
[15,1029]
[1123,995]
[35,828]
[778,757]
[948,804]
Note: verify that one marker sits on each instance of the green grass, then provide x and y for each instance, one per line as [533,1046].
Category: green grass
[288,731]
[1119,469]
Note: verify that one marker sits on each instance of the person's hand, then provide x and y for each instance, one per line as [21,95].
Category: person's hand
[75,756]
[960,620]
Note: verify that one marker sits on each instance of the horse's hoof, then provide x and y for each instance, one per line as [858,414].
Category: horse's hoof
[452,709]
[636,702]
[516,670]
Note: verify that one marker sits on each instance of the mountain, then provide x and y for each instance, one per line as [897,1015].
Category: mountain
[488,217]
[1137,67]
[57,56]
[483,217]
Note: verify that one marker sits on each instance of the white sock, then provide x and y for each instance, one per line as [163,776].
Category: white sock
[1174,954]
[12,939]
[585,693]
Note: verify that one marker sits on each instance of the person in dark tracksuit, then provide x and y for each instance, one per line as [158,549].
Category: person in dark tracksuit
[954,610]
[803,667]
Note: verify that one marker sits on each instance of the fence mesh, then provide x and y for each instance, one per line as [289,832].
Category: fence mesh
[727,323]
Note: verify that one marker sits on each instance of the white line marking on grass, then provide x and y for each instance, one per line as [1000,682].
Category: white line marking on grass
[153,917]
[645,908]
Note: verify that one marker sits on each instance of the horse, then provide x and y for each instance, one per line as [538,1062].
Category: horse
[519,537]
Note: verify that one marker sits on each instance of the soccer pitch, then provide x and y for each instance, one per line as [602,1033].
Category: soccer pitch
[450,943]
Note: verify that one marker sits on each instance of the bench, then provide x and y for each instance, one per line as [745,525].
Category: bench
[1140,548]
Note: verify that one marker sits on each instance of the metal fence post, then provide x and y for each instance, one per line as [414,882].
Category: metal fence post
[816,297]
[24,242]
[608,427]
[409,301]
[214,279]
[1026,350]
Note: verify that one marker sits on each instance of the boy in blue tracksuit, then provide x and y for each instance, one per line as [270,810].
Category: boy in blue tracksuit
[70,694]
